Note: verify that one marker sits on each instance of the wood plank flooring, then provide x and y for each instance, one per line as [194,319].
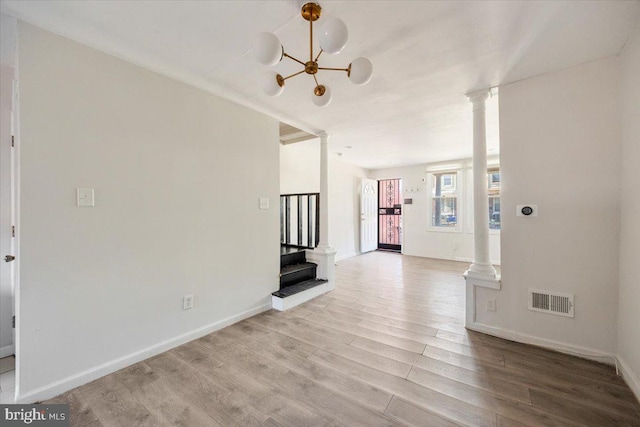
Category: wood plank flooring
[386,348]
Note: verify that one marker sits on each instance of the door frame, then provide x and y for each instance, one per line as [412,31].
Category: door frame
[387,246]
[7,195]
[363,218]
[10,189]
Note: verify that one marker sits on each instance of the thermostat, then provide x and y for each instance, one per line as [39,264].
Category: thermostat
[527,210]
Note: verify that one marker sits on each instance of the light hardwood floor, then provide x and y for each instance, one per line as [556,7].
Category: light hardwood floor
[386,348]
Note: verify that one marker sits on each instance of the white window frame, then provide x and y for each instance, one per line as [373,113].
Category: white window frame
[458,193]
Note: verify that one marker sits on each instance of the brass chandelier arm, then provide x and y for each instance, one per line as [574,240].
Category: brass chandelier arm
[314,78]
[334,69]
[294,74]
[319,53]
[292,58]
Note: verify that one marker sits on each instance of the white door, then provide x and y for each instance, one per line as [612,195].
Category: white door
[369,215]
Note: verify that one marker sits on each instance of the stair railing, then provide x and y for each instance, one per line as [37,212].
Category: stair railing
[300,220]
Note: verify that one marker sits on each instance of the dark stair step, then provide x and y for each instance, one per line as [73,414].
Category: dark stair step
[289,255]
[296,273]
[298,287]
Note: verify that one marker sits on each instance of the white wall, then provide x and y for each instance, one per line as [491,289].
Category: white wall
[418,239]
[177,175]
[8,38]
[300,173]
[560,150]
[300,167]
[344,207]
[629,293]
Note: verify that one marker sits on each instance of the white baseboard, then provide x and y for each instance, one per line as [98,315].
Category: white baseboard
[584,352]
[629,377]
[7,350]
[283,304]
[340,257]
[56,388]
[448,257]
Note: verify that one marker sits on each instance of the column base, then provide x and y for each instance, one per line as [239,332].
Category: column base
[324,256]
[481,269]
[482,280]
[323,248]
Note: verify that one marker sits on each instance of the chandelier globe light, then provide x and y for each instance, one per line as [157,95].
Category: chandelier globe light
[271,84]
[268,49]
[361,70]
[321,96]
[333,36]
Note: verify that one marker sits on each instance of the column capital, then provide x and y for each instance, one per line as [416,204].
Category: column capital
[479,95]
[323,136]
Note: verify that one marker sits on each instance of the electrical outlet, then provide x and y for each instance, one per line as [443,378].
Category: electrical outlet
[187,302]
[85,197]
[491,305]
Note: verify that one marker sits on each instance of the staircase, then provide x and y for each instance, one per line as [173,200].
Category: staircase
[298,280]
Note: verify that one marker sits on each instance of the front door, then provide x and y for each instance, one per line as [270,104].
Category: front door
[368,215]
[390,214]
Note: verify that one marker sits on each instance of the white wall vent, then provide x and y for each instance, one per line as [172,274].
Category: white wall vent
[551,302]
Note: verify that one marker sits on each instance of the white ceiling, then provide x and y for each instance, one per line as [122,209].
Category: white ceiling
[426,56]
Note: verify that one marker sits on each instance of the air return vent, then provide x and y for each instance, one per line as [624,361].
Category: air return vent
[551,302]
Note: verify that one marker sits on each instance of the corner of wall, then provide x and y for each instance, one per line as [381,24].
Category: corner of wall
[629,376]
[628,344]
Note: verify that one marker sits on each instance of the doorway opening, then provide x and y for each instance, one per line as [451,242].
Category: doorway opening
[390,214]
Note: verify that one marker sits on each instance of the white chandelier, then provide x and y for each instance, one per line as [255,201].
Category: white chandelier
[333,38]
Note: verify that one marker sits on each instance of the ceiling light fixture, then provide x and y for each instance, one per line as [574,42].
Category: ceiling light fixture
[333,38]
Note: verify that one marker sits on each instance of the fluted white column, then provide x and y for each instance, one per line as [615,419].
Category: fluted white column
[481,261]
[481,273]
[323,243]
[324,254]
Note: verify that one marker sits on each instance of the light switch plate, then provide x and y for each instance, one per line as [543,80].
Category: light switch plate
[264,203]
[85,197]
[187,302]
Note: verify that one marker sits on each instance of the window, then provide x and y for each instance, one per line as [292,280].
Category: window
[444,200]
[448,182]
[493,180]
